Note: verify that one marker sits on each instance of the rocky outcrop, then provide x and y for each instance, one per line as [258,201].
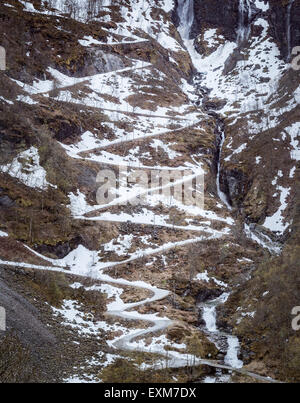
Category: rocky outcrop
[216,14]
[283,17]
[148,116]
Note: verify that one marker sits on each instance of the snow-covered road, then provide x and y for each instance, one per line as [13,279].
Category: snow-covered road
[122,310]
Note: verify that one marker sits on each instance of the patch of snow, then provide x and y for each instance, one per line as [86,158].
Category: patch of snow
[26,168]
[276,221]
[204,277]
[262,4]
[6,100]
[166,148]
[292,172]
[294,133]
[78,204]
[120,246]
[257,160]
[237,151]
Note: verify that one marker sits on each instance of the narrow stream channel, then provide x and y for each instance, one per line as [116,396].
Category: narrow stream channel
[225,343]
[220,143]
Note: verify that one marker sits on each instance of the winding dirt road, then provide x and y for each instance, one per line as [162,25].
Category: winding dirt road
[174,359]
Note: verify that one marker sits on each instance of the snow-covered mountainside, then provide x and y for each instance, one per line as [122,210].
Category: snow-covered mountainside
[186,268]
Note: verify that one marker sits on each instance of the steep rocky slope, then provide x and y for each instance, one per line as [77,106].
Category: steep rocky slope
[189,88]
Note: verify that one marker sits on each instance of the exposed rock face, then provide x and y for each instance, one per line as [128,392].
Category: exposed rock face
[224,16]
[125,88]
[216,14]
[284,16]
[237,178]
[22,315]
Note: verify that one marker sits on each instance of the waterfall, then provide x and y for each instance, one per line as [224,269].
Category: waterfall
[245,14]
[186,16]
[288,28]
[231,357]
[221,194]
[185,12]
[216,336]
[210,318]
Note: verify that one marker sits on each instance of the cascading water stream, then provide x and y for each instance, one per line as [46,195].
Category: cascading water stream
[186,15]
[245,13]
[288,28]
[219,338]
[226,342]
[221,194]
[185,12]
